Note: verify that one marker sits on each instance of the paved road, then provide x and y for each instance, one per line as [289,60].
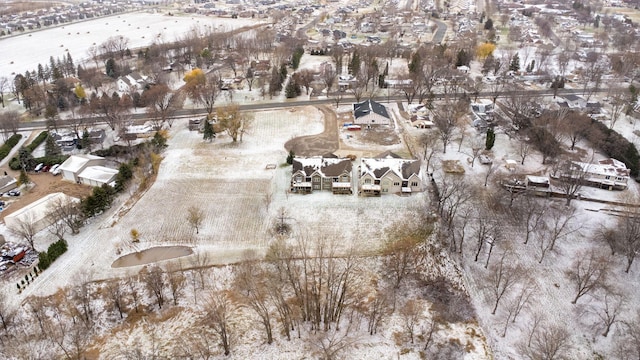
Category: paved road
[442,29]
[41,124]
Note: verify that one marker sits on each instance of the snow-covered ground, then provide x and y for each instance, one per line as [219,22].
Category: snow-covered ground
[24,52]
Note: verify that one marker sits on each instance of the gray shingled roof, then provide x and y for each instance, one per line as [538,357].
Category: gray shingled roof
[366,107]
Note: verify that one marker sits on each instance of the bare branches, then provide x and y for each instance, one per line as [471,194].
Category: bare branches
[588,273]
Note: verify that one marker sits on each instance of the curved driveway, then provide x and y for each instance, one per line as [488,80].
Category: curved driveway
[319,144]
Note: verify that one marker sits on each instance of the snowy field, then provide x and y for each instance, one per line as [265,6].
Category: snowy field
[24,52]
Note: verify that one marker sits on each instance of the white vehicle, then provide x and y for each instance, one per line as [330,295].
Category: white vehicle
[55,169]
[39,167]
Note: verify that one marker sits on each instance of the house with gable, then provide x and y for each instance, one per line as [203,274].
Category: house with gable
[131,82]
[389,173]
[327,172]
[370,112]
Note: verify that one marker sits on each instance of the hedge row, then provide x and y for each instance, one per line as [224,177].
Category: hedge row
[54,251]
[14,164]
[8,145]
[615,146]
[37,141]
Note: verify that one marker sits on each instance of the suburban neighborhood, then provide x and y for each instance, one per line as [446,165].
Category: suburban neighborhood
[276,179]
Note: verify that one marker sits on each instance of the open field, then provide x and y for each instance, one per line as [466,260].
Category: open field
[142,29]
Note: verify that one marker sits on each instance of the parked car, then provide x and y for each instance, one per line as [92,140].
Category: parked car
[45,168]
[55,169]
[38,167]
[14,192]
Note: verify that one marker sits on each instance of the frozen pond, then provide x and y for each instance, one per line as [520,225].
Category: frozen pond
[152,255]
[24,52]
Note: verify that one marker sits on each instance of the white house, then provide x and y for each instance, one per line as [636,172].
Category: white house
[370,112]
[75,164]
[131,82]
[608,174]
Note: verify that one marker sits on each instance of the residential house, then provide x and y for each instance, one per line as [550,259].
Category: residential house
[7,183]
[131,82]
[608,174]
[75,164]
[370,112]
[327,172]
[389,173]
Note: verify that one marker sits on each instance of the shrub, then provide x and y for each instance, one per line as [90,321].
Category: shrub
[55,250]
[99,200]
[8,145]
[37,141]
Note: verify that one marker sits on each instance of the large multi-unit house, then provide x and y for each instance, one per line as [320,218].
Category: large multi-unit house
[608,174]
[326,172]
[389,173]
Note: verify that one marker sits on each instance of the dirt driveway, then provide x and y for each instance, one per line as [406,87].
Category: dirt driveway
[320,144]
[45,183]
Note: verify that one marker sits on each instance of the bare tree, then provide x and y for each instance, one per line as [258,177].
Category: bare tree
[533,214]
[219,313]
[572,177]
[132,284]
[250,285]
[114,294]
[524,150]
[67,212]
[429,141]
[176,280]
[4,86]
[9,123]
[7,313]
[521,300]
[588,272]
[609,311]
[549,342]
[446,119]
[154,281]
[26,229]
[402,253]
[162,103]
[411,313]
[195,217]
[503,278]
[376,308]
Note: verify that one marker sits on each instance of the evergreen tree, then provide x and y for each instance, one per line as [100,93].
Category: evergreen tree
[292,90]
[111,68]
[515,63]
[354,65]
[209,132]
[23,179]
[51,148]
[491,139]
[27,162]
[290,157]
[283,74]
[85,142]
[414,65]
[489,24]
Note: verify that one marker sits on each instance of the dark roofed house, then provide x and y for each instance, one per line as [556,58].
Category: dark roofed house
[370,112]
[327,172]
[389,173]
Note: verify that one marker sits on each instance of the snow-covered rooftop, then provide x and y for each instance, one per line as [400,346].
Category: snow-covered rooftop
[75,162]
[99,174]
